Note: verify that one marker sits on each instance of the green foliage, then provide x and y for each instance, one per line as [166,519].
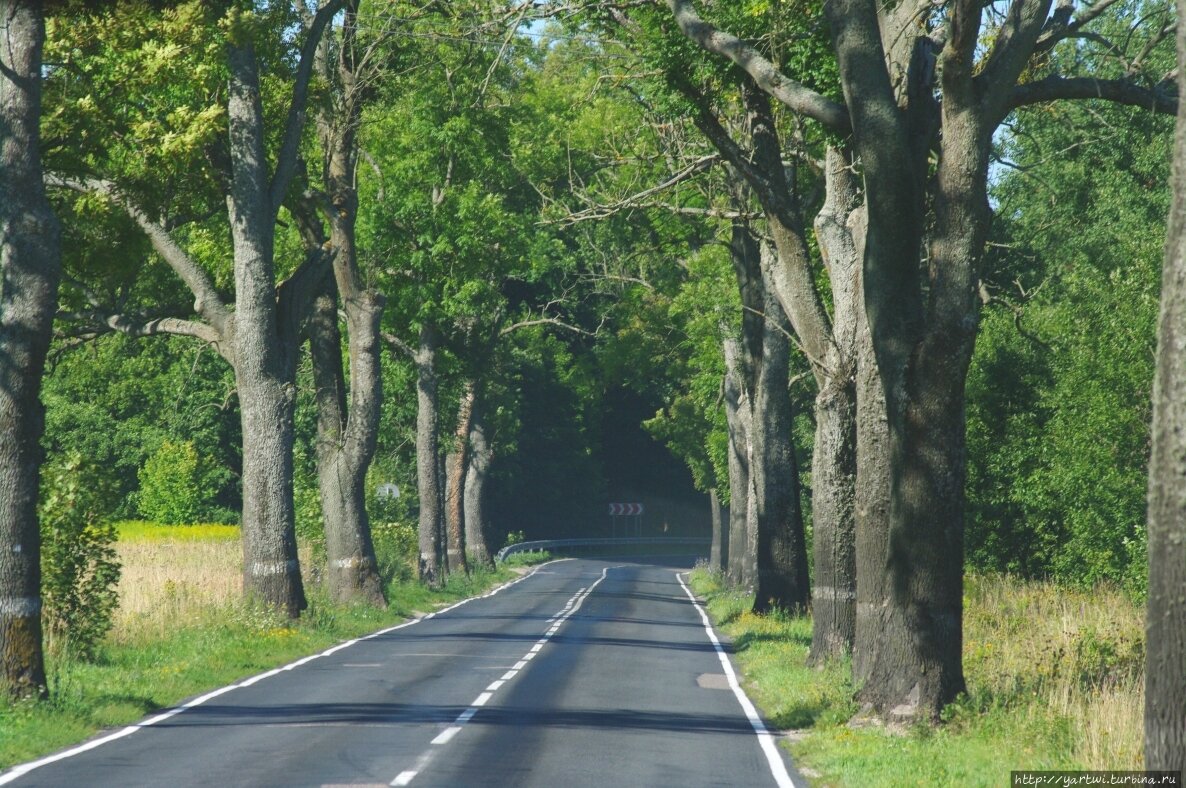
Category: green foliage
[170,485]
[118,399]
[79,566]
[1059,390]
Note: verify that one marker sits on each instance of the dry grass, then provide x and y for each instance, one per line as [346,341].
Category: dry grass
[169,581]
[177,575]
[1078,654]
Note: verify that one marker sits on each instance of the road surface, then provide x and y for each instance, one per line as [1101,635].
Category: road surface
[583,673]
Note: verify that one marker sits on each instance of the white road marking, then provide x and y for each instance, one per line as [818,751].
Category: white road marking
[447,734]
[766,741]
[21,770]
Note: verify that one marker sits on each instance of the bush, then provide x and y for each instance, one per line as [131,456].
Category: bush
[170,485]
[79,566]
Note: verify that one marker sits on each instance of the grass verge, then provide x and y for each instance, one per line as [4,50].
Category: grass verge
[1054,676]
[181,631]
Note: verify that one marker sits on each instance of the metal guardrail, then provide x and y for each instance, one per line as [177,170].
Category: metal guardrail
[554,544]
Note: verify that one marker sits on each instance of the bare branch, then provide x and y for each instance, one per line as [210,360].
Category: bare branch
[638,200]
[544,321]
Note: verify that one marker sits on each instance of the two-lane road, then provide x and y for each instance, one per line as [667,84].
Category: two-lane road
[585,673]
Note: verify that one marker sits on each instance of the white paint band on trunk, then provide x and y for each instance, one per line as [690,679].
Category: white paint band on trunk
[351,562]
[20,606]
[271,568]
[827,592]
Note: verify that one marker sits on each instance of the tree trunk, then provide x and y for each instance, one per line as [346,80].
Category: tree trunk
[347,437]
[737,421]
[476,475]
[781,579]
[834,458]
[30,266]
[344,448]
[718,552]
[455,470]
[1165,667]
[265,372]
[872,510]
[428,482]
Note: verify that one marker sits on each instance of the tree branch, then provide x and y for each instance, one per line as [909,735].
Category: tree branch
[1119,91]
[797,97]
[286,159]
[207,302]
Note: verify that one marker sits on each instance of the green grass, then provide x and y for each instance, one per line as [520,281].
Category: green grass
[1054,681]
[140,672]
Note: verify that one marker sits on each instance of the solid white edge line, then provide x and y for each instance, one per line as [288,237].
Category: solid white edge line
[20,770]
[778,767]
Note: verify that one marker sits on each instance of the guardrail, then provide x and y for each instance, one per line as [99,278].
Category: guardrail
[558,544]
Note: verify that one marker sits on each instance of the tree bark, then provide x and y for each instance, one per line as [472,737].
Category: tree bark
[265,369]
[718,551]
[455,470]
[781,579]
[30,267]
[343,452]
[476,475]
[737,421]
[1165,667]
[428,481]
[874,592]
[834,457]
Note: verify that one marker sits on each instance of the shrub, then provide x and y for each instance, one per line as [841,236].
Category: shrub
[79,566]
[170,485]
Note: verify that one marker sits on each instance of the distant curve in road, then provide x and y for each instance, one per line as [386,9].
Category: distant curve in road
[582,673]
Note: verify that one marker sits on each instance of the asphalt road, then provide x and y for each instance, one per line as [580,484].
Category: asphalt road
[584,673]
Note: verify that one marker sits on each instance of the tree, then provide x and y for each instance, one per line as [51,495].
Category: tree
[347,436]
[259,338]
[1165,672]
[919,81]
[30,260]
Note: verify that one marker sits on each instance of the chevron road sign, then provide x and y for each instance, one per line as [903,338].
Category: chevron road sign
[625,509]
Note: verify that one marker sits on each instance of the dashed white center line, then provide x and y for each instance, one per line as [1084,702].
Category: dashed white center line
[569,609]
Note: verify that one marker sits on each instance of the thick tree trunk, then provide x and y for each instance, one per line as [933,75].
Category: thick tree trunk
[781,551]
[872,510]
[924,368]
[478,471]
[1165,667]
[455,470]
[834,458]
[265,372]
[30,266]
[718,551]
[428,481]
[343,451]
[347,437]
[737,420]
